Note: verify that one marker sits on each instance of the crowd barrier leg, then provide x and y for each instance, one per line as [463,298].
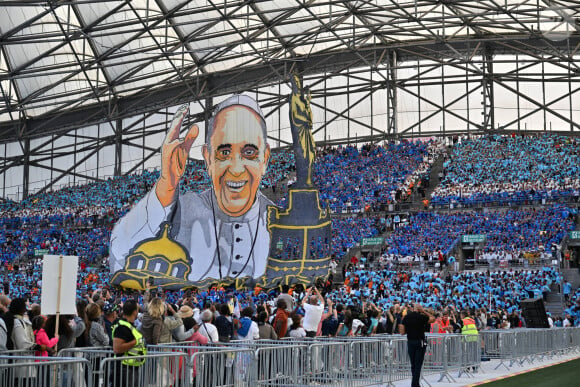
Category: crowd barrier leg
[94,355]
[24,371]
[280,366]
[470,359]
[234,365]
[159,370]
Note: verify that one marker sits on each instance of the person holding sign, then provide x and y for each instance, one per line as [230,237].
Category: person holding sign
[128,343]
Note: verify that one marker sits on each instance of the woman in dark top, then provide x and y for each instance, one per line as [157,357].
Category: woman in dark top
[224,324]
[69,328]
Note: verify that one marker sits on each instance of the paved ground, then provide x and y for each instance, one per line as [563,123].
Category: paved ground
[489,373]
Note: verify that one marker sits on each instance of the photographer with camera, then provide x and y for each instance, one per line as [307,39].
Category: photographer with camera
[313,304]
[414,324]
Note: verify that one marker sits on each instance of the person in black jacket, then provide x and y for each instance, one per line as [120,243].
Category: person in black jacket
[224,324]
[414,324]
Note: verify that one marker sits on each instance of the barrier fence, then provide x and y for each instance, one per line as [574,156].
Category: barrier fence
[519,346]
[33,371]
[333,361]
[94,355]
[153,369]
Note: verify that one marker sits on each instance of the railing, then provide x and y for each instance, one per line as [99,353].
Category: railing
[16,371]
[519,346]
[337,361]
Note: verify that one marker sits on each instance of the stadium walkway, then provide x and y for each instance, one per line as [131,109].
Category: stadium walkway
[488,373]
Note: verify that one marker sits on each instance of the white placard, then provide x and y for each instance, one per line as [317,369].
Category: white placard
[68,284]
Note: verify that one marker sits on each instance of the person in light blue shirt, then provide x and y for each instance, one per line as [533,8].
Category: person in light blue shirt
[567,289]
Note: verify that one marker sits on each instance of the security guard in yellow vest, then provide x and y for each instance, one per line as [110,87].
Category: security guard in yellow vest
[469,328]
[128,343]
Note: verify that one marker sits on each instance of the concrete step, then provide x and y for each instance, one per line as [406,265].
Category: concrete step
[434,177]
[553,297]
[555,308]
[417,200]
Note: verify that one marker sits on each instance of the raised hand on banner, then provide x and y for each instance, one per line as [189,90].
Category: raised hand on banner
[174,153]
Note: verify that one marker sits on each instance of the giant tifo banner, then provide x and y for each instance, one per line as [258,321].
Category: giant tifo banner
[230,234]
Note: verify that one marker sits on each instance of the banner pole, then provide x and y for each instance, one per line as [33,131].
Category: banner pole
[59,287]
[60,259]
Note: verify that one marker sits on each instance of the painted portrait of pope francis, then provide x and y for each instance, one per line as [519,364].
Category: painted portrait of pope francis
[177,240]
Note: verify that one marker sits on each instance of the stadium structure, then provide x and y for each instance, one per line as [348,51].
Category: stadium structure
[454,202]
[88,87]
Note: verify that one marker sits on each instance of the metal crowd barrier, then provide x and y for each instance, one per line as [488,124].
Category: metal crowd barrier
[221,368]
[94,355]
[369,360]
[470,355]
[452,353]
[344,360]
[256,363]
[399,366]
[32,371]
[333,361]
[203,361]
[521,345]
[156,369]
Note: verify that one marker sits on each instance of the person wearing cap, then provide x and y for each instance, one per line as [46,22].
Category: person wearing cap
[183,332]
[223,228]
[110,318]
[128,344]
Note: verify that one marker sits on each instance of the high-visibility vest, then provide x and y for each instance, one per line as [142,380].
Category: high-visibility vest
[436,327]
[135,356]
[469,328]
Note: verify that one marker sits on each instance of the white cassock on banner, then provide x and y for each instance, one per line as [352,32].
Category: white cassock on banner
[59,284]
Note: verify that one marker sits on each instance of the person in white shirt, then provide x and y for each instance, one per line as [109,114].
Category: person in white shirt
[207,329]
[313,305]
[296,329]
[248,329]
[567,323]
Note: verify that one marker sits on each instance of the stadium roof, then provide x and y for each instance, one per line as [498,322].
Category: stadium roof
[65,64]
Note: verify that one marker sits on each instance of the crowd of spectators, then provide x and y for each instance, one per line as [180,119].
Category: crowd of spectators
[513,169]
[91,243]
[356,180]
[371,301]
[78,221]
[507,231]
[347,232]
[465,290]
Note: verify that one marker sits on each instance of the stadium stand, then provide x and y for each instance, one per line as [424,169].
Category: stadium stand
[511,169]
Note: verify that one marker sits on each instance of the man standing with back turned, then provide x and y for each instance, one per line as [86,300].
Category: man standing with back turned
[313,305]
[414,324]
